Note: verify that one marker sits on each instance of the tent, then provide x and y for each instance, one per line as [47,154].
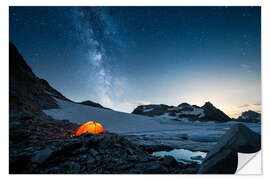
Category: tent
[90,127]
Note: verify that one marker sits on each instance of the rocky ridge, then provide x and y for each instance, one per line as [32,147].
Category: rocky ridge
[249,116]
[92,104]
[184,112]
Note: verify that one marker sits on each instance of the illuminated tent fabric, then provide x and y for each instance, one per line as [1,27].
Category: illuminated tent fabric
[90,127]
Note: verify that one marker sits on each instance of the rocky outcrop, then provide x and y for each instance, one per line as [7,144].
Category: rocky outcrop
[222,159]
[214,114]
[151,110]
[183,112]
[92,104]
[250,116]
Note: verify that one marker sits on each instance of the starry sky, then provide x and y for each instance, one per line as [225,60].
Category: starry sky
[122,57]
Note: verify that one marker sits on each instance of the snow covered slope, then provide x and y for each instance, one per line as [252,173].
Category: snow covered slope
[112,121]
[120,122]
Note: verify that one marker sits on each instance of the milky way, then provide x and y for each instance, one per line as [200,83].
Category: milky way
[122,56]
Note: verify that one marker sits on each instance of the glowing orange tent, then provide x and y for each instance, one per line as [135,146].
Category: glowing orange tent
[90,127]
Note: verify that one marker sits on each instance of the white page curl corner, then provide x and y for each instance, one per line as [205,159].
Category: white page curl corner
[249,164]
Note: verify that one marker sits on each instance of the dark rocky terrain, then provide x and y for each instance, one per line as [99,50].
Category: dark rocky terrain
[184,111]
[40,144]
[46,146]
[249,116]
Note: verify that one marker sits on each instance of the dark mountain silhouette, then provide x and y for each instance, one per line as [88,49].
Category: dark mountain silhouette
[29,91]
[249,116]
[214,114]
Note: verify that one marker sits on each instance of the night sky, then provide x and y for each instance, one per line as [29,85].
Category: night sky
[125,56]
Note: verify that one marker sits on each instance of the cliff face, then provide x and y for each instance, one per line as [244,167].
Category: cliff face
[26,90]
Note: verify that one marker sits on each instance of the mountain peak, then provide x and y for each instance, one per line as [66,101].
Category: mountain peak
[208,104]
[250,116]
[28,89]
[183,104]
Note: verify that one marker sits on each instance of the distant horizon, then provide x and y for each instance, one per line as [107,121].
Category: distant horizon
[121,57]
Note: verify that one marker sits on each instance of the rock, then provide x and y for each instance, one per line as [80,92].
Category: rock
[184,112]
[249,116]
[93,152]
[41,156]
[184,105]
[172,113]
[71,146]
[75,168]
[224,162]
[213,114]
[132,158]
[169,161]
[20,135]
[222,159]
[93,104]
[19,163]
[156,147]
[196,157]
[155,168]
[90,160]
[151,110]
[239,138]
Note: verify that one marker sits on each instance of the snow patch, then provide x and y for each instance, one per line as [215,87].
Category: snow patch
[49,93]
[183,155]
[147,110]
[195,111]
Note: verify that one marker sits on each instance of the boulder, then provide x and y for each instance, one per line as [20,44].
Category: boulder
[41,156]
[240,138]
[224,162]
[222,159]
[169,161]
